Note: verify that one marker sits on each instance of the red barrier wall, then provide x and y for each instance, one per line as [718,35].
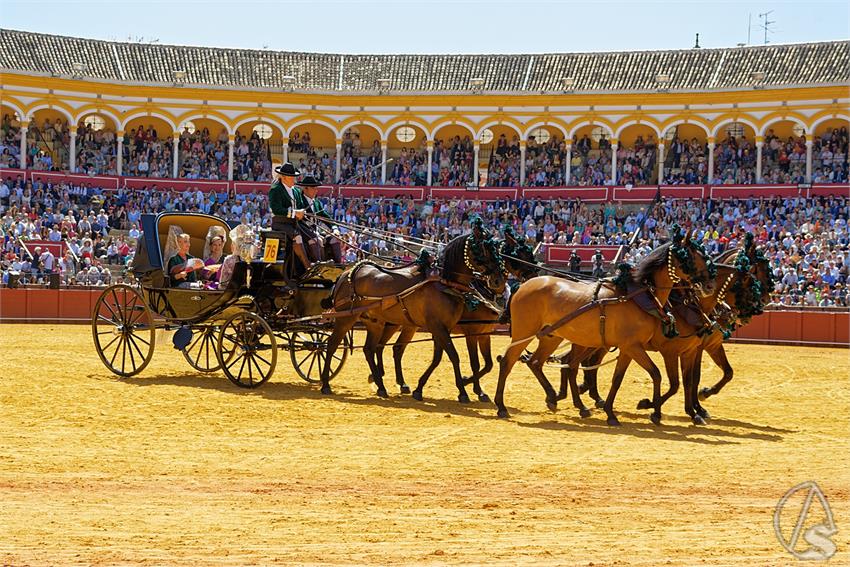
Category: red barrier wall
[802,327]
[642,194]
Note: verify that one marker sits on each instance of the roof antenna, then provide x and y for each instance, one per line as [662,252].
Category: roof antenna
[696,44]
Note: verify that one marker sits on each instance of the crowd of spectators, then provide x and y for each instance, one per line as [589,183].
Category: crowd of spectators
[146,154]
[806,240]
[96,150]
[590,166]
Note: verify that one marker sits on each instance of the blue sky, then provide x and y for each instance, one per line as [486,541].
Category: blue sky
[437,26]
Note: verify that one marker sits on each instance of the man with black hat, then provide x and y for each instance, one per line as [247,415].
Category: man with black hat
[598,264]
[288,207]
[309,187]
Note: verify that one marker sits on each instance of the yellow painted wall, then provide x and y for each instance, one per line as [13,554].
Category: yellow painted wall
[629,134]
[320,135]
[394,143]
[163,130]
[52,115]
[110,124]
[247,128]
[829,125]
[782,128]
[368,135]
[691,131]
[449,131]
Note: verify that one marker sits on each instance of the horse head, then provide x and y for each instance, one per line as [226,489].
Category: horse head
[688,261]
[481,255]
[518,257]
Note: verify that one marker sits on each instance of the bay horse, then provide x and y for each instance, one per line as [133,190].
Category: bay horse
[734,285]
[478,322]
[411,297]
[595,316]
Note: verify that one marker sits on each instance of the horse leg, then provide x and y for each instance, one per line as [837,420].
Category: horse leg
[435,361]
[572,378]
[671,365]
[373,351]
[718,355]
[398,352]
[545,348]
[590,382]
[506,363]
[341,327]
[620,368]
[474,362]
[485,345]
[640,356]
[443,335]
[387,333]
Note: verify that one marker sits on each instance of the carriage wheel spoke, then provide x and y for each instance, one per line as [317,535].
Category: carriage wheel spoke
[135,346]
[130,350]
[138,337]
[241,368]
[115,316]
[259,368]
[263,359]
[250,359]
[115,354]
[118,306]
[312,362]
[110,343]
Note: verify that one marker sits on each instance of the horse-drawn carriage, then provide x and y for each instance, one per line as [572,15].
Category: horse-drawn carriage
[237,326]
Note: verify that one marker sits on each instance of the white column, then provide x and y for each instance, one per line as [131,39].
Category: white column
[809,143]
[231,141]
[660,163]
[569,159]
[72,160]
[430,148]
[23,156]
[614,147]
[522,163]
[338,160]
[383,162]
[476,148]
[759,145]
[175,158]
[710,160]
[285,150]
[119,157]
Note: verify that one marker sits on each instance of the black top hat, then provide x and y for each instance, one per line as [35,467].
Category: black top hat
[287,169]
[308,181]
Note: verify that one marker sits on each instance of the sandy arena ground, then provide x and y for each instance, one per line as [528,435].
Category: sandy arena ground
[175,468]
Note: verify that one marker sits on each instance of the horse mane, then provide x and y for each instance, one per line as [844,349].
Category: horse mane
[644,271]
[453,255]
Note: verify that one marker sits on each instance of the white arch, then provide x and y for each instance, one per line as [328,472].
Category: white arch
[688,121]
[793,119]
[204,116]
[330,125]
[824,118]
[726,121]
[497,122]
[49,106]
[90,111]
[638,122]
[453,122]
[14,107]
[536,125]
[400,121]
[262,119]
[366,122]
[584,123]
[144,113]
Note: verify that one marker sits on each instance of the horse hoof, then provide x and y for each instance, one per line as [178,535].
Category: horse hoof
[326,390]
[371,379]
[582,388]
[463,398]
[552,405]
[584,412]
[382,393]
[703,413]
[704,393]
[655,418]
[698,420]
[613,421]
[600,404]
[483,398]
[404,389]
[644,404]
[503,413]
[417,395]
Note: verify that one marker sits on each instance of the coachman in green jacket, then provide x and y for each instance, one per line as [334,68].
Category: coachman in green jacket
[288,207]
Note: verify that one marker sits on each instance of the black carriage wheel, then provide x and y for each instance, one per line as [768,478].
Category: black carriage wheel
[307,350]
[247,350]
[123,330]
[200,353]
